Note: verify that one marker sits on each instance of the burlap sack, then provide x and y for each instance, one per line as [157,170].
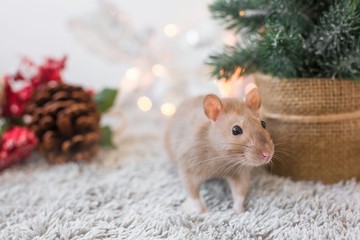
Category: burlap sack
[315,124]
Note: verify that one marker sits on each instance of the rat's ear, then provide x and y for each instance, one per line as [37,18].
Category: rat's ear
[253,100]
[212,106]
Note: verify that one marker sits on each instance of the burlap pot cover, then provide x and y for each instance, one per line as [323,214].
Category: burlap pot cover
[315,125]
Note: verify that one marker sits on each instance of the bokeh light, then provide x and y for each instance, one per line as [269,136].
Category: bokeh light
[144,103]
[168,109]
[171,30]
[158,70]
[132,73]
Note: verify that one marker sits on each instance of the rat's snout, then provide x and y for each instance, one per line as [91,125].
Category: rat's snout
[267,153]
[260,156]
[265,156]
[262,149]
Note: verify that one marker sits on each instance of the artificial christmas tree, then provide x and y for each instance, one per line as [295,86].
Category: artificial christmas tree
[292,39]
[308,57]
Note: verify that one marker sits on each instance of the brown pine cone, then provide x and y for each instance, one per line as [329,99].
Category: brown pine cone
[66,121]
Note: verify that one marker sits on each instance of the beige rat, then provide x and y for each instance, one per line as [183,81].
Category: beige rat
[209,137]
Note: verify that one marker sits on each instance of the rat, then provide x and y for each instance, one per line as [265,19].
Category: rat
[211,137]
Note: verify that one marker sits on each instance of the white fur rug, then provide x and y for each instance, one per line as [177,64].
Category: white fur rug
[134,193]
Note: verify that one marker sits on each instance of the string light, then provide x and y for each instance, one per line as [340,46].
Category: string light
[222,72]
[144,103]
[251,13]
[171,30]
[158,70]
[132,73]
[168,109]
[131,80]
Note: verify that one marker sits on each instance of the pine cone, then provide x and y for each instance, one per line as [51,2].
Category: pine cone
[66,121]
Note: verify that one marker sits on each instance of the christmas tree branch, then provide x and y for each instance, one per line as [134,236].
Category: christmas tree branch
[296,38]
[240,14]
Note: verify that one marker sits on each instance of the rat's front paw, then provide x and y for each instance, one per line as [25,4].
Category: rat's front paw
[238,209]
[238,204]
[192,206]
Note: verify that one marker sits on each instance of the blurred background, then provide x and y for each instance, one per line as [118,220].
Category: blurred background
[153,49]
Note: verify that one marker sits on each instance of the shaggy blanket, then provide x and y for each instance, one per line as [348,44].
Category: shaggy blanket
[133,192]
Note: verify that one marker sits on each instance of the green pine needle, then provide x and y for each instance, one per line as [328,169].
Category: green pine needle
[295,38]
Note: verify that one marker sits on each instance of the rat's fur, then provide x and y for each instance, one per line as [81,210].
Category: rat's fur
[199,139]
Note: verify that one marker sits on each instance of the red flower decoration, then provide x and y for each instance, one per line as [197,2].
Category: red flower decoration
[16,145]
[30,77]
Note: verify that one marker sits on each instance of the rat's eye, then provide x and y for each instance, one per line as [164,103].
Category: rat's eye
[236,130]
[263,124]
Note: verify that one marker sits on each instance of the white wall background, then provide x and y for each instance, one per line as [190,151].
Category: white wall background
[38,28]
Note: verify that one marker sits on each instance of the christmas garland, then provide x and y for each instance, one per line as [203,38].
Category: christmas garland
[39,111]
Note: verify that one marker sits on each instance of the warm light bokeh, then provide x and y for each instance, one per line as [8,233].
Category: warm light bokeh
[144,103]
[168,109]
[171,30]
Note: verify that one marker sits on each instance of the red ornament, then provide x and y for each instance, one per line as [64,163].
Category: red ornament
[16,145]
[30,77]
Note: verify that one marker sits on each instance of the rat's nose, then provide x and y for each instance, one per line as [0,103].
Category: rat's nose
[265,156]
